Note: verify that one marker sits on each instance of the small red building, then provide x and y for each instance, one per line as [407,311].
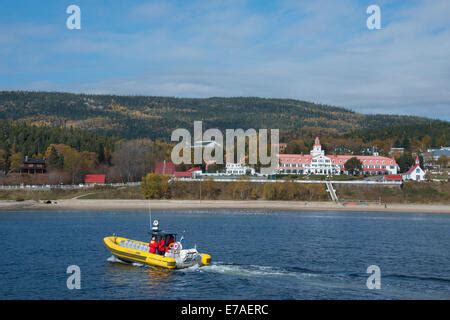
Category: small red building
[95,179]
[187,174]
[165,167]
[393,177]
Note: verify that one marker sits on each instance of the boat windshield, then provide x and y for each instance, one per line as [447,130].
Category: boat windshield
[168,237]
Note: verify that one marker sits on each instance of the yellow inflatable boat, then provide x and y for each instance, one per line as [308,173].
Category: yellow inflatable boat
[174,257]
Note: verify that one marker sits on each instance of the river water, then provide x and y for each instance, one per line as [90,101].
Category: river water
[256,255]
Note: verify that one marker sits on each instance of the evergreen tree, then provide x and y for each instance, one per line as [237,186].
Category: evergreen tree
[55,160]
[405,161]
[101,153]
[406,143]
[3,161]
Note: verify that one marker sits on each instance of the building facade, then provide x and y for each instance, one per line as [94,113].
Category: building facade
[415,173]
[318,163]
[237,169]
[33,166]
[435,154]
[95,179]
[190,173]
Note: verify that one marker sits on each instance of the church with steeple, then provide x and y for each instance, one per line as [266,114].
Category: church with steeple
[415,173]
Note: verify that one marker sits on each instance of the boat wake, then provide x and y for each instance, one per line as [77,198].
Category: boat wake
[249,271]
[237,270]
[114,259]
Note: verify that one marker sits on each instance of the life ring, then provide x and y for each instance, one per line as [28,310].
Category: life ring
[174,246]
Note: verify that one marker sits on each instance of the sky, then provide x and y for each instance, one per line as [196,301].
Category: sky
[318,51]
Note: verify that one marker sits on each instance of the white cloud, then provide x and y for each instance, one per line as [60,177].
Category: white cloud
[312,50]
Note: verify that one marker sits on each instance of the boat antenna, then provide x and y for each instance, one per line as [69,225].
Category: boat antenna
[182,236]
[150,214]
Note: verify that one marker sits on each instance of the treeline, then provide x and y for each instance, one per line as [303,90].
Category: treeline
[415,139]
[409,136]
[34,140]
[72,153]
[156,186]
[156,117]
[123,136]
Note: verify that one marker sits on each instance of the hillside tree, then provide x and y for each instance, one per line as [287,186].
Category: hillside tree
[353,166]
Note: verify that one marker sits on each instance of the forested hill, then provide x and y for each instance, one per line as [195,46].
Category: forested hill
[156,117]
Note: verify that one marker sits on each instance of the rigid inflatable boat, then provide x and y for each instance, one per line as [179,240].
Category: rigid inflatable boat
[174,257]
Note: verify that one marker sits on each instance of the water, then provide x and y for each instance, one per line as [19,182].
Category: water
[257,255]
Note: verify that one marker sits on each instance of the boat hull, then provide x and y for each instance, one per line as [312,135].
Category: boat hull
[140,254]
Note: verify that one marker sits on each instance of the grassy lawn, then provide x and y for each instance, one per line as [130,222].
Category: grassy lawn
[429,192]
[412,192]
[55,194]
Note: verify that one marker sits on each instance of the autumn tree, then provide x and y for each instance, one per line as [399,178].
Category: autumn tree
[16,161]
[155,186]
[54,159]
[135,158]
[3,161]
[297,146]
[443,161]
[76,163]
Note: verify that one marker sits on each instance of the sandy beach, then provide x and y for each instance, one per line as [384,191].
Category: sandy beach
[99,205]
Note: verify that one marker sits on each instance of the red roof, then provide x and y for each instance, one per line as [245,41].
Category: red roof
[366,160]
[182,174]
[414,167]
[186,174]
[295,158]
[393,177]
[337,159]
[94,178]
[167,167]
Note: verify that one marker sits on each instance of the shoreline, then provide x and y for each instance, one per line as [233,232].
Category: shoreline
[131,205]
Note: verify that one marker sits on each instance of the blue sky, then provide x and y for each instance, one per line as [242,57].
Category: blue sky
[318,51]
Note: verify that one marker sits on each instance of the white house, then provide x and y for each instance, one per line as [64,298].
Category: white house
[237,169]
[414,173]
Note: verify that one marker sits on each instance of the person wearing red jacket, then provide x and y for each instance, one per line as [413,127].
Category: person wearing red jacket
[161,246]
[153,245]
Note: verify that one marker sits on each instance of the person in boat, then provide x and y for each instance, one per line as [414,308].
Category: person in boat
[170,241]
[161,246]
[153,245]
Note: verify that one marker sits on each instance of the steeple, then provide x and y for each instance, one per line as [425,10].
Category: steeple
[317,142]
[417,160]
[317,148]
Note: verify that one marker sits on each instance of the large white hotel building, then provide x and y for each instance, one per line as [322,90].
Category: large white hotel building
[318,163]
